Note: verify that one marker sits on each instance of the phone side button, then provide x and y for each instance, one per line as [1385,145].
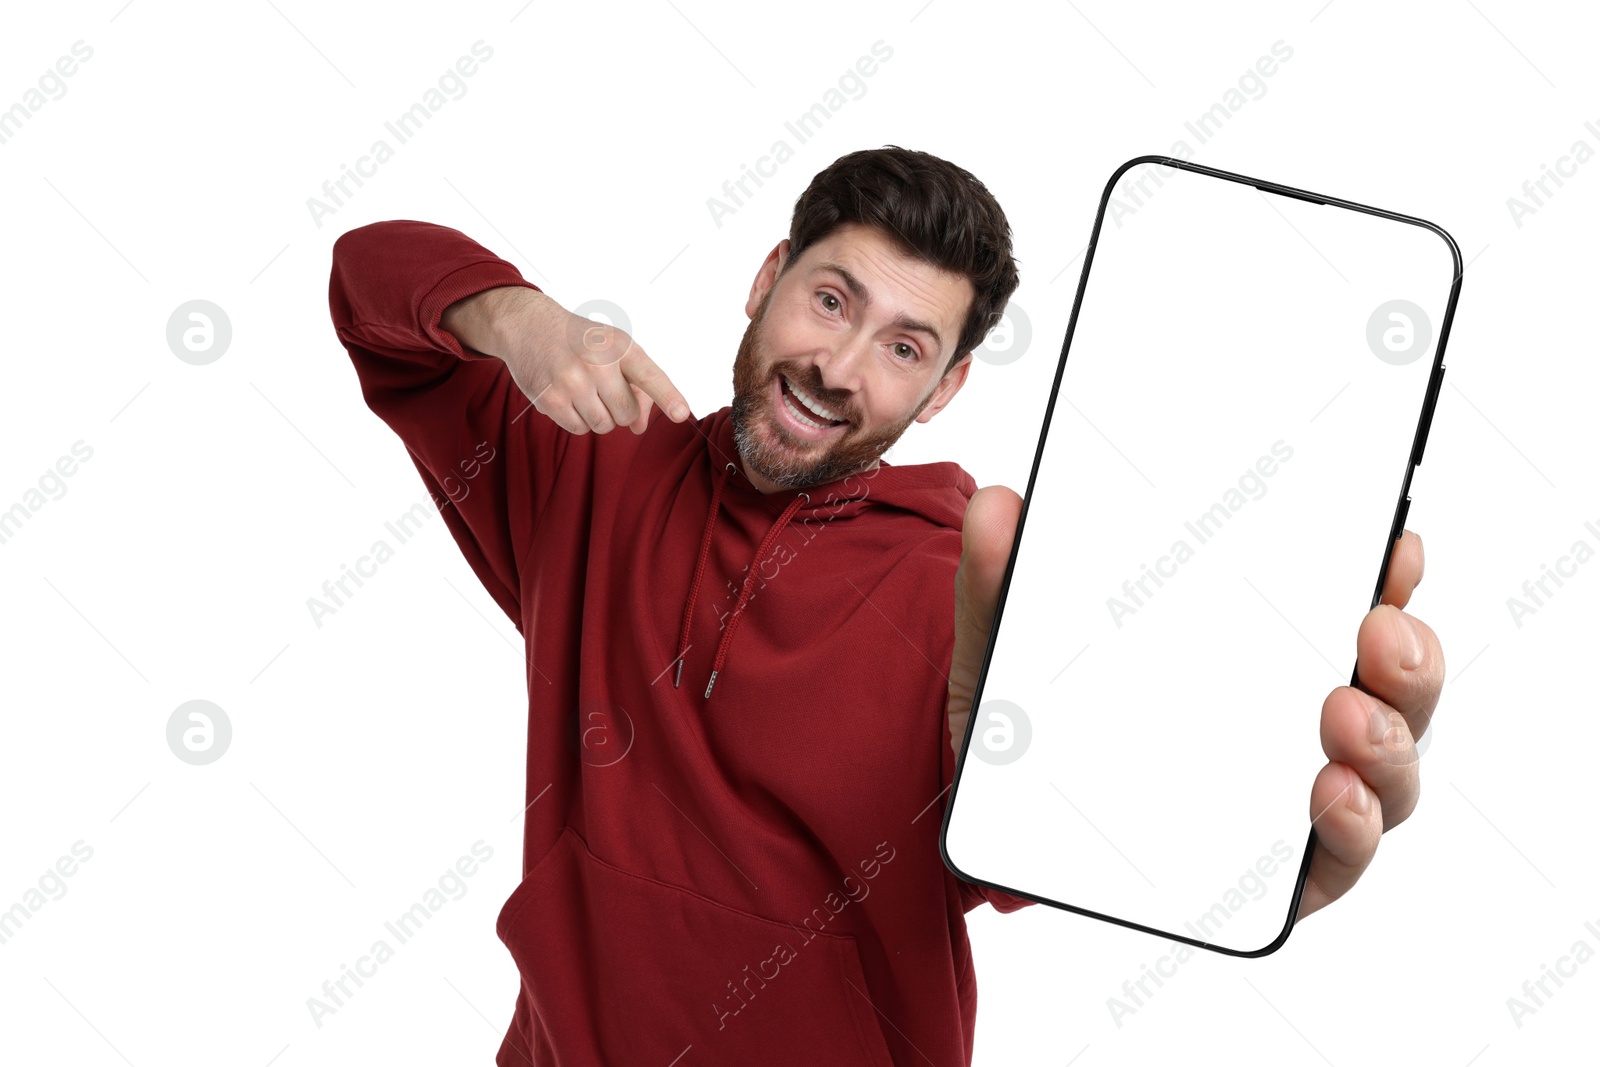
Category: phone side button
[1400,519]
[1430,402]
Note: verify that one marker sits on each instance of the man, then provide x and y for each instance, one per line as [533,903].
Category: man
[751,644]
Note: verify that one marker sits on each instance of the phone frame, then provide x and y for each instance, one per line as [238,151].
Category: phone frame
[1397,524]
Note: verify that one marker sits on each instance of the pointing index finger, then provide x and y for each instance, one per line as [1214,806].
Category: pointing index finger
[642,371]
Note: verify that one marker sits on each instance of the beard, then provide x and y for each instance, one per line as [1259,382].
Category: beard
[769,448]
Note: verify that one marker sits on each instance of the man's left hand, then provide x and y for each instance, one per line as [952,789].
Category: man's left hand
[1370,783]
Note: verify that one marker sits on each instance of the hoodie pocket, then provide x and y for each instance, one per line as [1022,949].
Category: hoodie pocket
[624,969]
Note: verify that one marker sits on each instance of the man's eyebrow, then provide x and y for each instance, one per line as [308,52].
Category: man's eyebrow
[859,291]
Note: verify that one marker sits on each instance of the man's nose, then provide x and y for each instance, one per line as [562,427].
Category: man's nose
[842,362]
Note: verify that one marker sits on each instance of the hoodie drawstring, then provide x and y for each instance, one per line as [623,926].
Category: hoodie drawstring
[700,569]
[744,590]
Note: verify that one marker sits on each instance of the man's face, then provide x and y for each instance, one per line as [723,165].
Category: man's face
[860,330]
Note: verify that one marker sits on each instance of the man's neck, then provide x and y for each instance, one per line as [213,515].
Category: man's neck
[762,484]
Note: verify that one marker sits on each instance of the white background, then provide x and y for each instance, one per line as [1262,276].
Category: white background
[372,752]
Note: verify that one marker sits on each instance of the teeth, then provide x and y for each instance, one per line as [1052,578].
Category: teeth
[816,408]
[799,415]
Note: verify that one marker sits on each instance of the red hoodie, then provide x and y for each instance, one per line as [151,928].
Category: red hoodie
[738,873]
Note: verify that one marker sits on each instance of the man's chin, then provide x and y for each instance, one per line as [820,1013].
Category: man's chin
[778,454]
[766,450]
[810,467]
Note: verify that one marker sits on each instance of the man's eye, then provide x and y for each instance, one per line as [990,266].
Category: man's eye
[829,296]
[910,349]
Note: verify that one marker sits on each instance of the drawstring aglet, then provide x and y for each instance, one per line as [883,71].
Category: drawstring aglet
[711,683]
[677,676]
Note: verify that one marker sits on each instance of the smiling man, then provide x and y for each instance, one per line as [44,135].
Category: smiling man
[751,642]
[812,405]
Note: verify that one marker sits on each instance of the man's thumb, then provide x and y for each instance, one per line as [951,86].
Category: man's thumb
[987,531]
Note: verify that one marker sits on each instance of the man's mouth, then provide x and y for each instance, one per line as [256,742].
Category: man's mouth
[805,415]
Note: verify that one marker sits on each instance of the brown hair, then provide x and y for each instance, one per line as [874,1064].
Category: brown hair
[932,209]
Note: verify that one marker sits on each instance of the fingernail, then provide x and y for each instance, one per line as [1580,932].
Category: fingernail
[1410,642]
[1377,721]
[1360,799]
[678,412]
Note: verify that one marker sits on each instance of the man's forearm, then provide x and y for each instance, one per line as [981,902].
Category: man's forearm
[472,319]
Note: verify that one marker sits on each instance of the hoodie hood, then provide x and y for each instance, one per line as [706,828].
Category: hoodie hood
[936,492]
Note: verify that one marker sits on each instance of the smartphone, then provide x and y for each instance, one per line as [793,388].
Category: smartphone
[1225,464]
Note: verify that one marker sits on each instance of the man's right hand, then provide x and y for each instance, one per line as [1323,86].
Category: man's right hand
[582,374]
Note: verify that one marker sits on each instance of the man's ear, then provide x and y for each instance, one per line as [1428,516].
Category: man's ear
[766,277]
[948,387]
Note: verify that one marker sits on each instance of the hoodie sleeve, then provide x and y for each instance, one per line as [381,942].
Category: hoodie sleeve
[487,459]
[973,895]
